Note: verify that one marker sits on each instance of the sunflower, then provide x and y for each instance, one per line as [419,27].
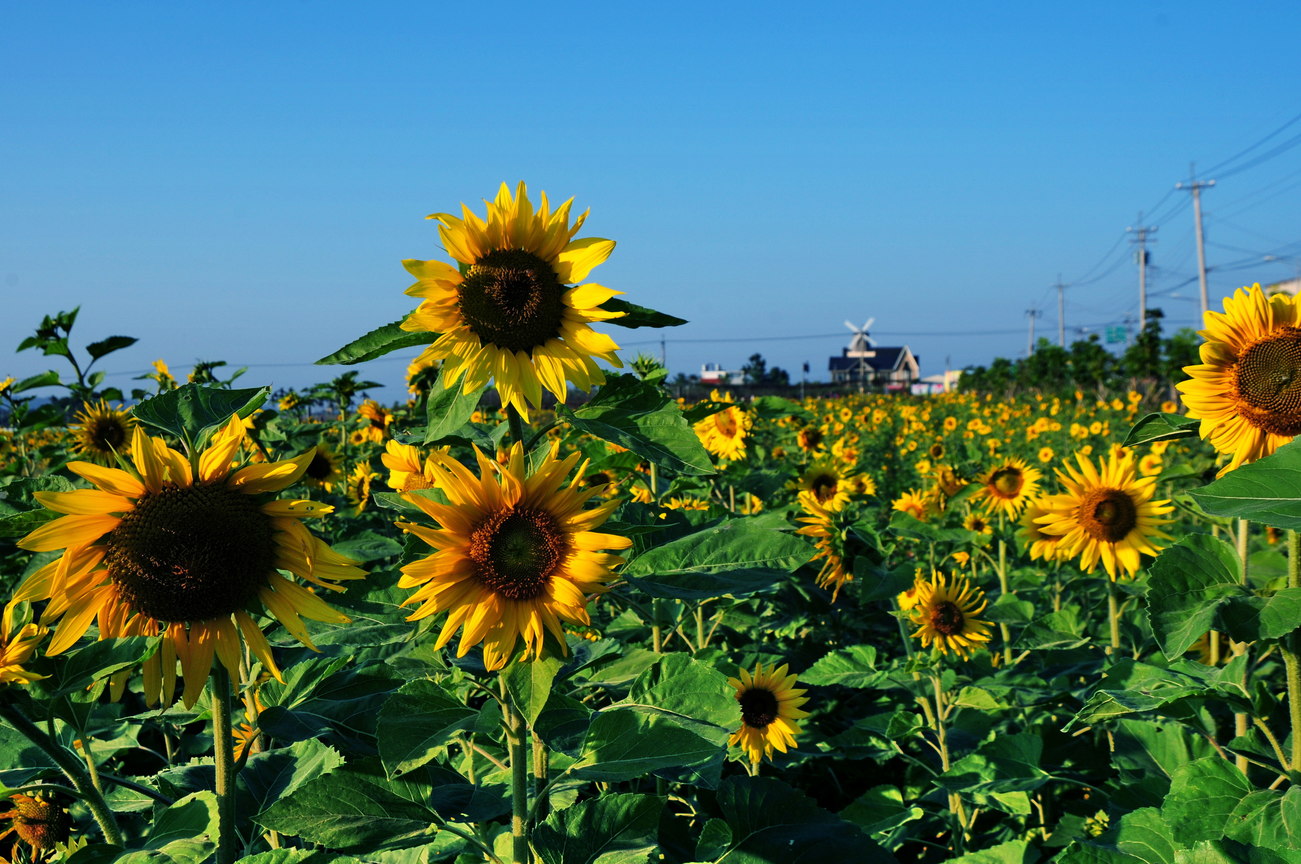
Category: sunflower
[723,433]
[1034,540]
[809,438]
[823,483]
[101,432]
[18,640]
[820,524]
[944,615]
[911,502]
[908,598]
[515,553]
[770,705]
[1247,390]
[1107,514]
[1046,454]
[1007,486]
[39,820]
[406,472]
[325,469]
[183,552]
[509,312]
[977,523]
[359,486]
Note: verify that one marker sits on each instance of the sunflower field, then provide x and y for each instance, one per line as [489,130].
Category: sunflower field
[542,611]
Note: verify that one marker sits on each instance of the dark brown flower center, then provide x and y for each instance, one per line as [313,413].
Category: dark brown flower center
[947,618]
[824,486]
[1108,515]
[191,553]
[320,467]
[937,451]
[512,299]
[1007,482]
[516,551]
[1267,383]
[810,437]
[758,707]
[107,434]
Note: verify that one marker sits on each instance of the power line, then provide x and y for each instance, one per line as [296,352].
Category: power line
[1222,165]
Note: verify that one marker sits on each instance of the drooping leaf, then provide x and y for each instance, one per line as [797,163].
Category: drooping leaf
[529,685]
[100,659]
[641,417]
[184,833]
[44,379]
[627,743]
[377,343]
[273,774]
[854,666]
[639,316]
[683,685]
[1203,796]
[448,409]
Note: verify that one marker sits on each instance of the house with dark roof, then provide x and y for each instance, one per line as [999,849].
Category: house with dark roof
[874,367]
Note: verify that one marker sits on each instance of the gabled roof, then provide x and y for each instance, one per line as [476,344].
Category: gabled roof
[884,360]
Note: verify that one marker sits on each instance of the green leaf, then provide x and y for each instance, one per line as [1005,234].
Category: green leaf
[368,546]
[44,379]
[1146,836]
[416,723]
[350,811]
[98,660]
[107,346]
[1269,819]
[192,412]
[854,666]
[448,409]
[1161,427]
[881,809]
[736,557]
[777,407]
[1190,581]
[1250,619]
[679,684]
[616,828]
[529,685]
[627,743]
[639,316]
[1011,852]
[1061,630]
[1010,609]
[1131,687]
[377,343]
[1203,796]
[184,833]
[641,417]
[1262,491]
[772,822]
[273,774]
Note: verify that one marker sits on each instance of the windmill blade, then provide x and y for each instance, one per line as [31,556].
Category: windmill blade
[868,325]
[851,327]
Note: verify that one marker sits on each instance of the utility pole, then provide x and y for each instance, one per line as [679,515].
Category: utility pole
[1142,233]
[1031,314]
[1196,187]
[1061,313]
[664,354]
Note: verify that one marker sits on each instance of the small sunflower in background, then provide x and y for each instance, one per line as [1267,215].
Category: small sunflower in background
[908,598]
[1007,486]
[1247,390]
[359,486]
[945,615]
[977,523]
[824,483]
[1106,515]
[723,433]
[911,502]
[770,704]
[1046,454]
[515,554]
[512,312]
[407,472]
[325,470]
[809,438]
[183,554]
[101,432]
[18,640]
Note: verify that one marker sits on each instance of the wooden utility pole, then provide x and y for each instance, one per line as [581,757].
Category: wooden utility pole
[1031,314]
[1061,312]
[1196,186]
[1142,234]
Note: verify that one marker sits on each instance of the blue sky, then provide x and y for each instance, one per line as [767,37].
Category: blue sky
[241,181]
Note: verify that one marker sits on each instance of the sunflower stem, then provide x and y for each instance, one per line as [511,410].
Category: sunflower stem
[519,776]
[1290,647]
[70,766]
[516,423]
[1003,587]
[1113,615]
[223,747]
[1239,720]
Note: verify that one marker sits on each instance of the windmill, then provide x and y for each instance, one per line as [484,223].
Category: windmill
[861,347]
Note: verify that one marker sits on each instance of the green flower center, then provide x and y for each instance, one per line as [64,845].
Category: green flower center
[758,707]
[191,553]
[512,299]
[516,551]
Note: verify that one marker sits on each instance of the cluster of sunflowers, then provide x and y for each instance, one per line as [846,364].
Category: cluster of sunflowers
[515,528]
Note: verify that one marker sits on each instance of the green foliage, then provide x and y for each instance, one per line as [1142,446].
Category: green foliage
[377,343]
[192,413]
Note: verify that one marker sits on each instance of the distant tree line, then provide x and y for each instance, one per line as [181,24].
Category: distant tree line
[1152,365]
